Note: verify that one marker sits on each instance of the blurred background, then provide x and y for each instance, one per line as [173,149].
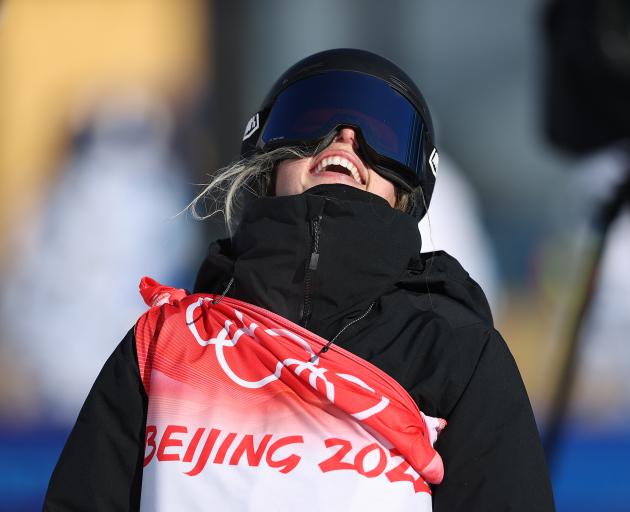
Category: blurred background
[112,112]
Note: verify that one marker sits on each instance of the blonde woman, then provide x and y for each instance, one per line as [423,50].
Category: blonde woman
[321,353]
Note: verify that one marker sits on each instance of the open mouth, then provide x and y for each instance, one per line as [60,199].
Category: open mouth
[340,164]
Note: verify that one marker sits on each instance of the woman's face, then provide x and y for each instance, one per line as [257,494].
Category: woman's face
[338,163]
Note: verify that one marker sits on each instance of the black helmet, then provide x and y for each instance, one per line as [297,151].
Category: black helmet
[355,88]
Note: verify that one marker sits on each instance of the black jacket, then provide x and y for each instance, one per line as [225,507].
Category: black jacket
[348,267]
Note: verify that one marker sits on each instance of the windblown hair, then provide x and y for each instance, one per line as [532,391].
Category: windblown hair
[255,176]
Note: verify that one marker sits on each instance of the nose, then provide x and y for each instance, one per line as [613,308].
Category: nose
[348,136]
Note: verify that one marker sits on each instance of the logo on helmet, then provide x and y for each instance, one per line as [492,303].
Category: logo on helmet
[252,126]
[434,161]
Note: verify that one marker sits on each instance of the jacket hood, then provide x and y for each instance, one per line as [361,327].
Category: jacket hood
[439,275]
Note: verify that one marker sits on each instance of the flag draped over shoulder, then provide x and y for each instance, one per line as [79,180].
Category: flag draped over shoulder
[246,413]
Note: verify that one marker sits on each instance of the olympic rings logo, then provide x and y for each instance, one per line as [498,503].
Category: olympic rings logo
[226,340]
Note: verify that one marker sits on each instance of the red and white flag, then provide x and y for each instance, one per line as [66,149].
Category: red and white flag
[245,413]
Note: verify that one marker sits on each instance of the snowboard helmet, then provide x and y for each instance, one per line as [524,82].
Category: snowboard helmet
[361,90]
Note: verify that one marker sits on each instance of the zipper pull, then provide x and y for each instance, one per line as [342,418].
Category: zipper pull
[315,226]
[312,264]
[311,267]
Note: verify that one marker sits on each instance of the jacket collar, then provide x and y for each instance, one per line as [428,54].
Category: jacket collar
[363,246]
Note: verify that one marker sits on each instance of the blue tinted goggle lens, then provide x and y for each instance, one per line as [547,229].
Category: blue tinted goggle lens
[311,108]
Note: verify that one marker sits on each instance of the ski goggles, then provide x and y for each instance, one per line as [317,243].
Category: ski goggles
[392,134]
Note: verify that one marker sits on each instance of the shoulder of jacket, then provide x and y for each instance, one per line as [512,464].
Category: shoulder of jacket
[437,282]
[447,352]
[449,309]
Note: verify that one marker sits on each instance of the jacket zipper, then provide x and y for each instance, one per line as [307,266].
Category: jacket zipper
[311,267]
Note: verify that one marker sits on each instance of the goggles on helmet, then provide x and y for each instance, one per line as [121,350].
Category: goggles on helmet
[392,134]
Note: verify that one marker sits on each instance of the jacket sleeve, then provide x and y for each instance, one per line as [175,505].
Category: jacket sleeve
[491,448]
[100,467]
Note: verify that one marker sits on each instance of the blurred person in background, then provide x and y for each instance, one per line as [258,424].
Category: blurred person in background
[588,115]
[341,162]
[94,96]
[452,224]
[93,240]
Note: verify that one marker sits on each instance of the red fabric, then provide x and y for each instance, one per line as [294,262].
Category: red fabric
[249,360]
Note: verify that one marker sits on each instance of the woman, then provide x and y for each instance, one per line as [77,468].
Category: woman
[325,332]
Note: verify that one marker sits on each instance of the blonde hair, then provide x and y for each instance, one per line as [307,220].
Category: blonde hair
[255,175]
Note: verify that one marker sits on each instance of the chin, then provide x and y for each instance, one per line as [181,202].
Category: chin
[336,180]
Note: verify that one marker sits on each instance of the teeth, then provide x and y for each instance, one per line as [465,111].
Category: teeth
[341,161]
